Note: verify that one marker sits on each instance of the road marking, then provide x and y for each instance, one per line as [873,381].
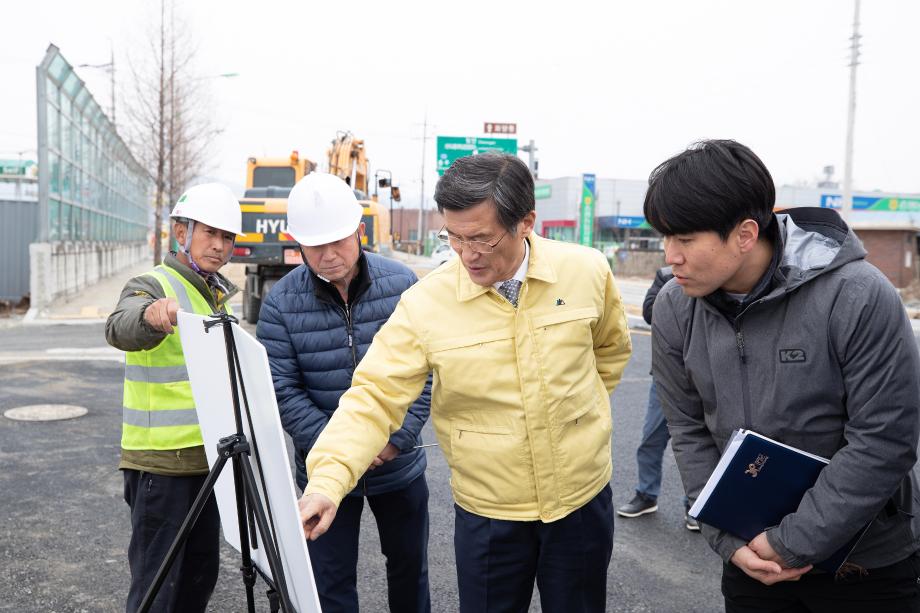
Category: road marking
[62,354]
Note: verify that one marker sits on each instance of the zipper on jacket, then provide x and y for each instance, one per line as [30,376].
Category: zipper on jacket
[351,335]
[745,385]
[739,340]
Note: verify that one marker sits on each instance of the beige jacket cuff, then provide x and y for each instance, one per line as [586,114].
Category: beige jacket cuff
[330,488]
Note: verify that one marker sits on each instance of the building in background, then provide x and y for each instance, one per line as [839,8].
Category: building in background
[94,213]
[404,226]
[620,229]
[617,212]
[888,224]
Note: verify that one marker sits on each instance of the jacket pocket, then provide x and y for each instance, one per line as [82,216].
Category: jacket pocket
[489,463]
[581,429]
[565,343]
[465,366]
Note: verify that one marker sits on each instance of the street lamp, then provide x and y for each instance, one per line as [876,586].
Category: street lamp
[108,67]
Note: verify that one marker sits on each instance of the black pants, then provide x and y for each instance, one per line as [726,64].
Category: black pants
[498,560]
[890,589]
[402,521]
[158,507]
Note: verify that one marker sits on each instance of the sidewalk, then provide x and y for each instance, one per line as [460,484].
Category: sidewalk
[93,304]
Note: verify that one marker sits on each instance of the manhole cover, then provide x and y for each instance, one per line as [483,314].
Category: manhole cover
[45,412]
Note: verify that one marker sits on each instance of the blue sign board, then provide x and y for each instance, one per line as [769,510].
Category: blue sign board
[888,204]
[628,222]
[835,201]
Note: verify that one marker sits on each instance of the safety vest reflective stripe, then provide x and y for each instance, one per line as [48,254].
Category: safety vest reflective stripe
[181,294]
[155,374]
[156,419]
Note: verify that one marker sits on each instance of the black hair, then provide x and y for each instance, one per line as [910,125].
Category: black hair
[500,178]
[712,186]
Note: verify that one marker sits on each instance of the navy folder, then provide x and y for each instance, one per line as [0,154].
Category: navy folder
[756,483]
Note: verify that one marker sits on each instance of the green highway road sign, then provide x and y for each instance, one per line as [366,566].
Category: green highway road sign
[452,147]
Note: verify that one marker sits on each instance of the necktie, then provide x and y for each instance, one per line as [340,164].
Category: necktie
[510,290]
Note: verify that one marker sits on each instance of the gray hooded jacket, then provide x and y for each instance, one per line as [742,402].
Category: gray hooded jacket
[824,359]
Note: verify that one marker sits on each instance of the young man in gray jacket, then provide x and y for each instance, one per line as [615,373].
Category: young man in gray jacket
[776,323]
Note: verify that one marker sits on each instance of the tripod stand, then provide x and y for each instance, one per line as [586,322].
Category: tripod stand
[249,504]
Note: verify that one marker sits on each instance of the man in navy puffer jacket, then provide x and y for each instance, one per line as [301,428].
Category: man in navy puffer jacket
[316,324]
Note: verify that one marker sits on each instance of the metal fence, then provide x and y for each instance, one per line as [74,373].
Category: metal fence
[18,225]
[90,186]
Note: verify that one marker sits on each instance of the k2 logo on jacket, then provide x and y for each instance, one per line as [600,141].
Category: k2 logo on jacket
[791,355]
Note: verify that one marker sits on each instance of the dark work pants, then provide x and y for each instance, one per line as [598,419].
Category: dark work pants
[402,522]
[497,560]
[158,507]
[890,589]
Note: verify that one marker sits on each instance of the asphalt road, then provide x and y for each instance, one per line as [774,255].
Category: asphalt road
[65,525]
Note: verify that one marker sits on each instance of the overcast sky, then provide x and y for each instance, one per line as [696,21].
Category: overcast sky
[611,88]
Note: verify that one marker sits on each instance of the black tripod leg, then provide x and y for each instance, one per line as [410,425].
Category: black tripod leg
[274,559]
[182,536]
[247,569]
[274,601]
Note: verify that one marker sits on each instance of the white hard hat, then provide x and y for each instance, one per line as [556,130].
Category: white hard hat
[212,204]
[322,209]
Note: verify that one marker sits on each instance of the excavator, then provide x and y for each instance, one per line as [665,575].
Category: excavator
[348,161]
[267,250]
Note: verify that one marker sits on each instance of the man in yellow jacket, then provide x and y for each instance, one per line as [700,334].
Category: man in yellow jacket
[526,339]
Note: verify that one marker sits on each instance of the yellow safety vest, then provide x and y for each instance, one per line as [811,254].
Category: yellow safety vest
[159,410]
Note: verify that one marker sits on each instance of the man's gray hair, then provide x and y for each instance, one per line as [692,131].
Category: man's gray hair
[502,179]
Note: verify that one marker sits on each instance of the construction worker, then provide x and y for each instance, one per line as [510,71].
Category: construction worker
[316,324]
[162,453]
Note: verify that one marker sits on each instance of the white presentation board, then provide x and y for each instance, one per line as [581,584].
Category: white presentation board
[206,359]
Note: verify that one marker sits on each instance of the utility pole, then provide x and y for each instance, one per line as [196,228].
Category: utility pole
[421,202]
[846,208]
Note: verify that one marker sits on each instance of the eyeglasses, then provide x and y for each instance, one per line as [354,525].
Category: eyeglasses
[474,246]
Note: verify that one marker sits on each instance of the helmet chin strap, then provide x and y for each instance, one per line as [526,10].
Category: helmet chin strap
[187,247]
[307,264]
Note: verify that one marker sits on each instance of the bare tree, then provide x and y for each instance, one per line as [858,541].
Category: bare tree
[168,127]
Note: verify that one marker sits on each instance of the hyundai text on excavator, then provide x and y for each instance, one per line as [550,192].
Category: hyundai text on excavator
[267,250]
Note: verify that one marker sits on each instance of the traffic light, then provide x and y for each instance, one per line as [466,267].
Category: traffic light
[394,191]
